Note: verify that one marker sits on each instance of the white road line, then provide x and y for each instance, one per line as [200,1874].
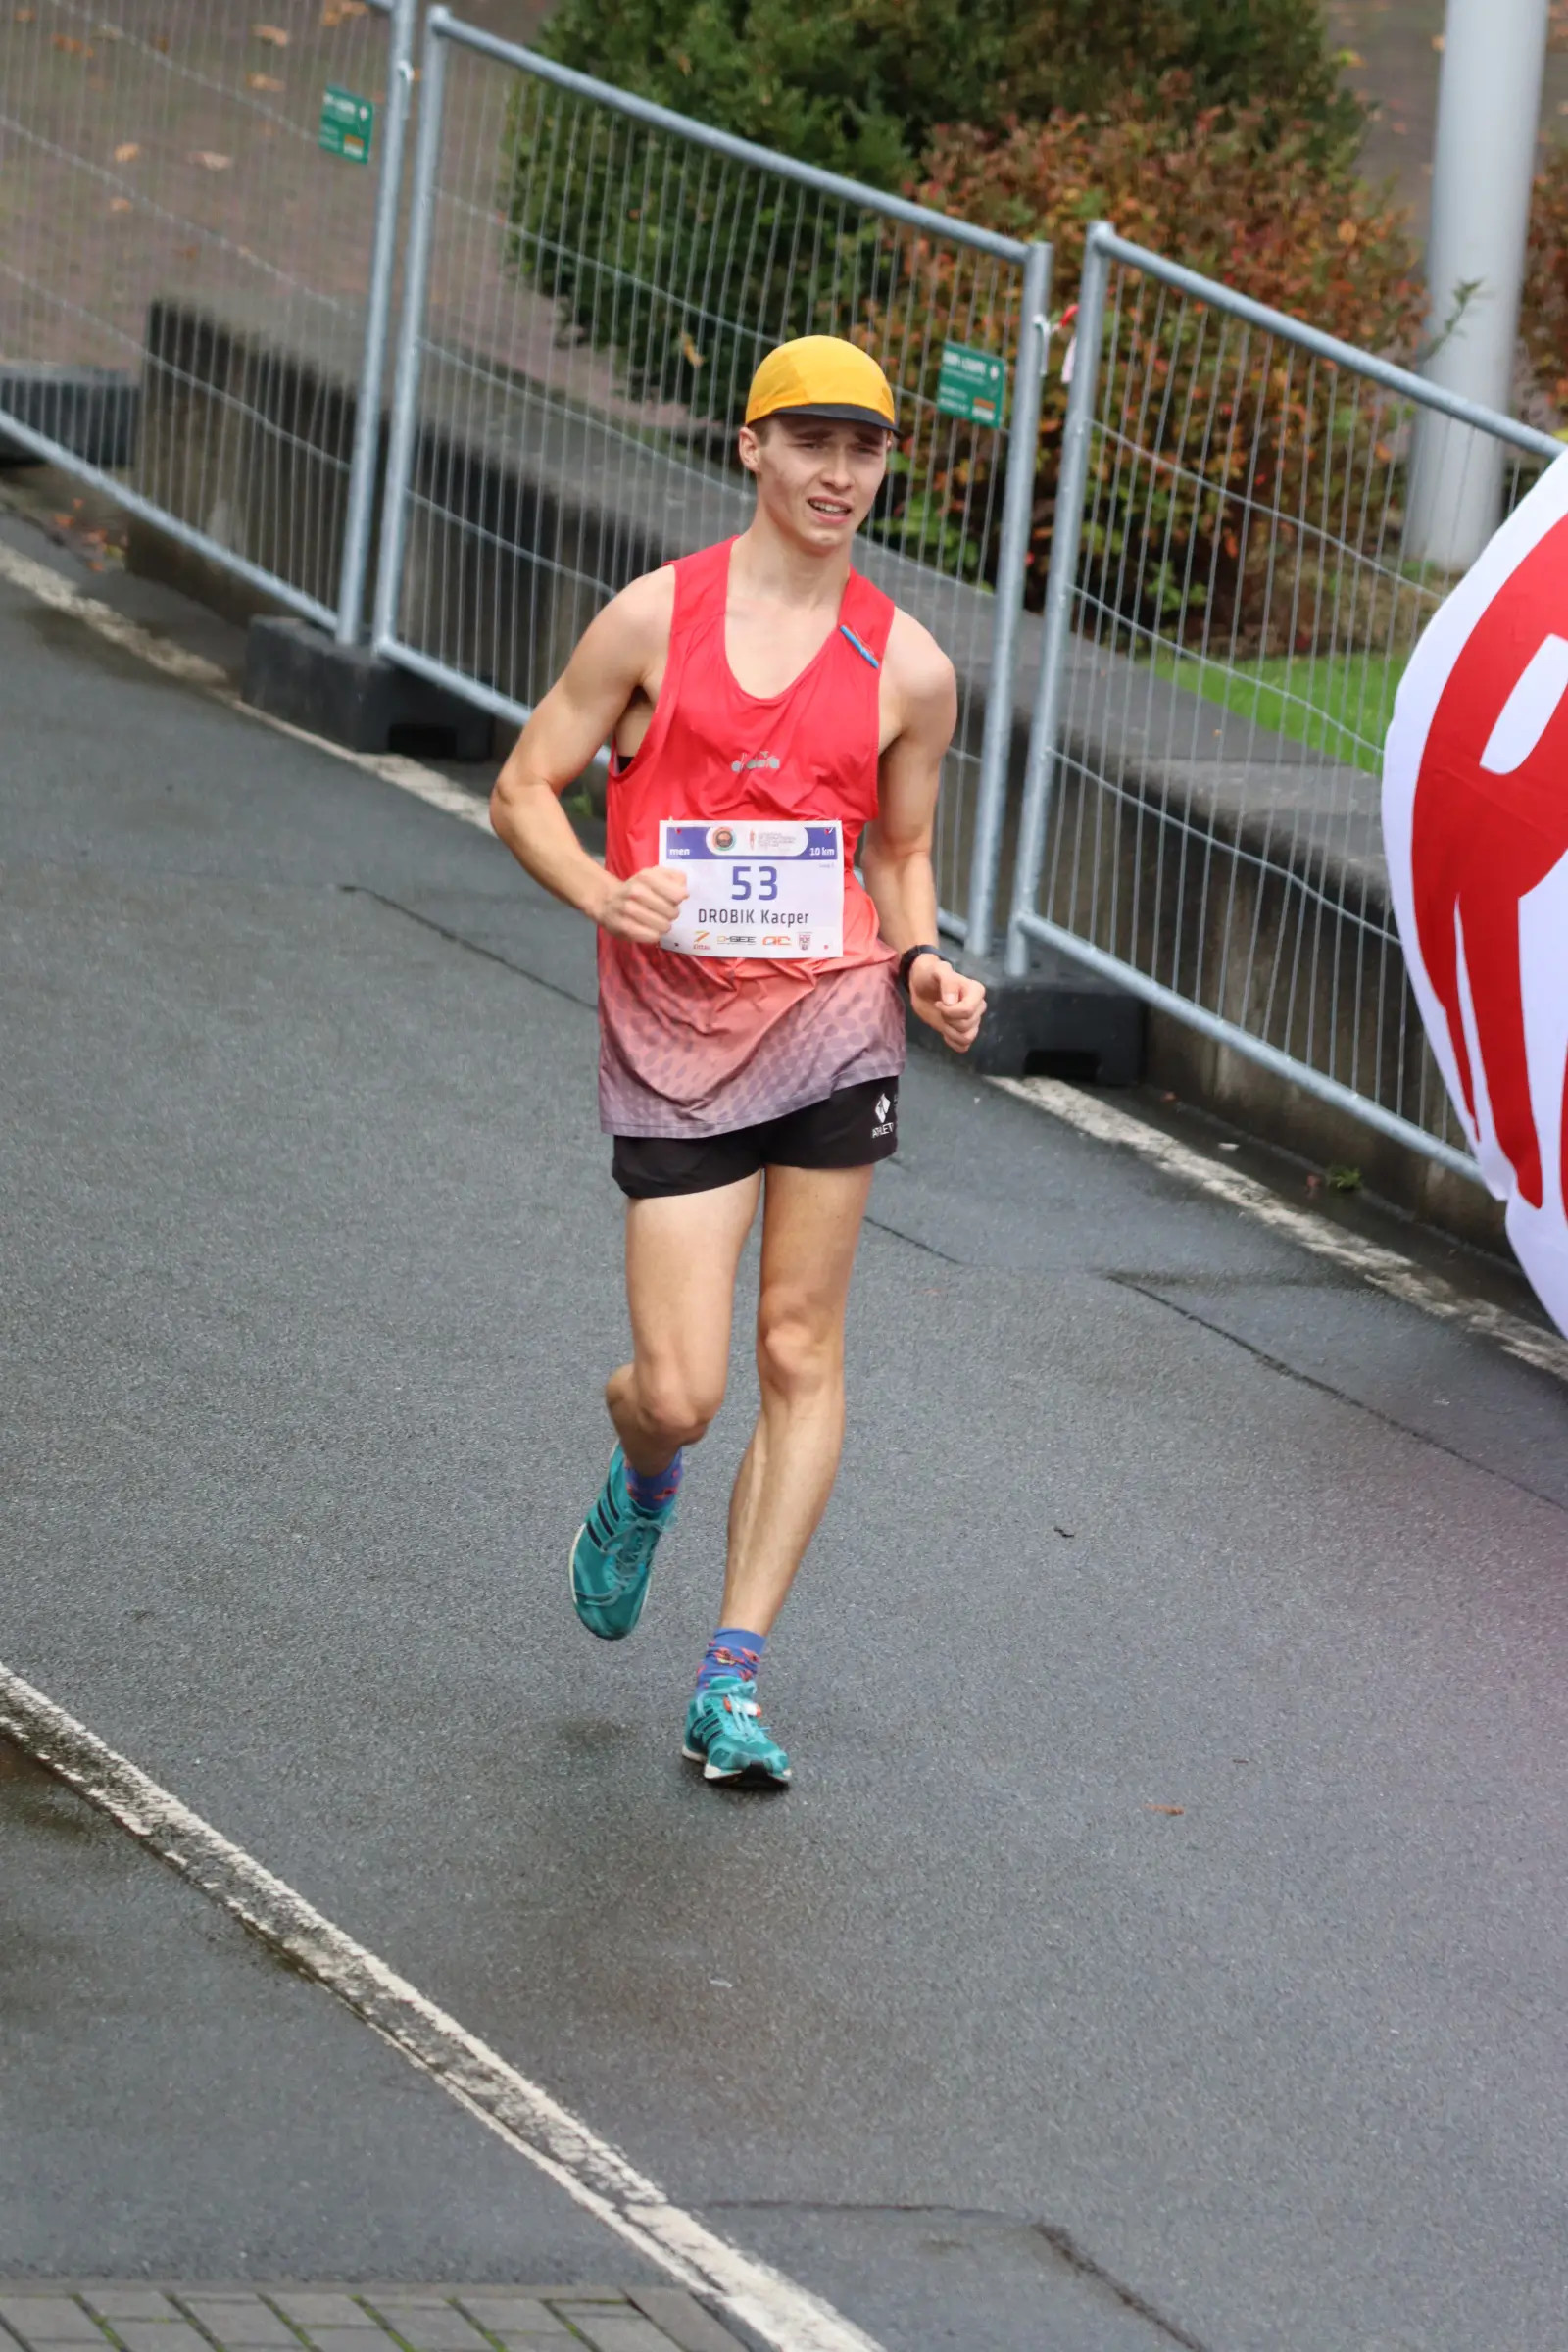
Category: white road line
[191,669]
[1385,1269]
[590,2171]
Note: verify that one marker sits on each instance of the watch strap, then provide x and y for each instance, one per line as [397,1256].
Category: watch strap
[908,960]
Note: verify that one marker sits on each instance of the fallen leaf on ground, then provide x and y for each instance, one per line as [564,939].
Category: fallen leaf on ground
[27,16]
[120,203]
[127,152]
[71,46]
[210,160]
[272,33]
[1165,1808]
[264,81]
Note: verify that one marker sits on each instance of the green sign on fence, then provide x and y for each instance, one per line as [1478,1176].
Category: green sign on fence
[348,124]
[973,385]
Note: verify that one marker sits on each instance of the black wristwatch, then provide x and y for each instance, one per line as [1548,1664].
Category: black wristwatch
[907,961]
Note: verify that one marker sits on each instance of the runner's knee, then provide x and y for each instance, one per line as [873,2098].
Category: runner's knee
[676,1406]
[796,1354]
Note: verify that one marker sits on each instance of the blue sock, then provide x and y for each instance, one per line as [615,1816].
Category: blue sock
[651,1490]
[732,1650]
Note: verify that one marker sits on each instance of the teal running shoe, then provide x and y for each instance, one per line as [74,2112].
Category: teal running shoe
[613,1554]
[726,1736]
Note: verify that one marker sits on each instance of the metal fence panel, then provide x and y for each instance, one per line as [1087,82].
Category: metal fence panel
[591,283]
[163,184]
[1239,575]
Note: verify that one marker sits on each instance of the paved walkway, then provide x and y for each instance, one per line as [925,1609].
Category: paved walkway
[133,2317]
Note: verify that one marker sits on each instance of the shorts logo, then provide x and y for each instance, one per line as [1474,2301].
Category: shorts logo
[881,1108]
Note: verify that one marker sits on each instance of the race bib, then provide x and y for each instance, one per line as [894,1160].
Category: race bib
[757,888]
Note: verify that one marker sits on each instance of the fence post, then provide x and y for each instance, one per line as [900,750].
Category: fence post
[1065,540]
[416,288]
[373,366]
[1013,555]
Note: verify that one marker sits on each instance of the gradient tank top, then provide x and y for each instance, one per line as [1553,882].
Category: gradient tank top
[695,1045]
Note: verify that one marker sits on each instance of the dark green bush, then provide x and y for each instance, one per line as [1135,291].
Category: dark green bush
[860,85]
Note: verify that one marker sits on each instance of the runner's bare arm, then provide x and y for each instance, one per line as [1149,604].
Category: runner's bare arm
[896,850]
[619,657]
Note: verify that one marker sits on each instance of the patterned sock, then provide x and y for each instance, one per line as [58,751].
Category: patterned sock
[651,1490]
[732,1650]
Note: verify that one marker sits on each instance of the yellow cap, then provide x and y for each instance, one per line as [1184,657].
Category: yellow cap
[820,375]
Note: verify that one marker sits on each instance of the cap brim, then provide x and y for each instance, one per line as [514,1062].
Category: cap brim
[836,413]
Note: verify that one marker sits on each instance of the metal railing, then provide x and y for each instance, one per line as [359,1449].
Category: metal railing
[1249,516]
[1237,580]
[163,188]
[591,280]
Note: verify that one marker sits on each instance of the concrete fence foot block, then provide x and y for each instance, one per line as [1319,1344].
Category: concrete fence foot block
[1058,1022]
[356,698]
[91,411]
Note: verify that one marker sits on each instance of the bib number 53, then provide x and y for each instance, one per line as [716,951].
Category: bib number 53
[740,882]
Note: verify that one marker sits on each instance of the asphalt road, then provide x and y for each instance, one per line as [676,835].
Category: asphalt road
[310,1278]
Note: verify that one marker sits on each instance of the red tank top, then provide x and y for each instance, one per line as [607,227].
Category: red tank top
[694,1044]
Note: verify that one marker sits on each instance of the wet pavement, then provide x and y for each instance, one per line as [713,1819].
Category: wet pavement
[1163,1940]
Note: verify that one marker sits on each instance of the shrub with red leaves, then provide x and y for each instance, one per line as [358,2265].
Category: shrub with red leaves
[1238,437]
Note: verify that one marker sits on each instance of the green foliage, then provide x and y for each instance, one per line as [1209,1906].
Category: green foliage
[1155,112]
[855,87]
[1338,703]
[686,267]
[1269,57]
[649,261]
[860,85]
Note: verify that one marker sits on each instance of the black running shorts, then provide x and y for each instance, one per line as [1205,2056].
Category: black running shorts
[850,1129]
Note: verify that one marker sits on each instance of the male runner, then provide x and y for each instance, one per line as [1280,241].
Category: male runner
[770,715]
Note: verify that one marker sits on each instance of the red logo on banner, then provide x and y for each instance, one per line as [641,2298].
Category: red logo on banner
[1490,822]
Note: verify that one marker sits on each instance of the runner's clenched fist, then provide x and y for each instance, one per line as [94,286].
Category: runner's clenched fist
[947,1001]
[644,906]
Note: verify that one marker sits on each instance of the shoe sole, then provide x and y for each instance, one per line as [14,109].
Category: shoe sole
[710,1771]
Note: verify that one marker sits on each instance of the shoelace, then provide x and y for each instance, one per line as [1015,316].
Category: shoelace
[743,1701]
[634,1540]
